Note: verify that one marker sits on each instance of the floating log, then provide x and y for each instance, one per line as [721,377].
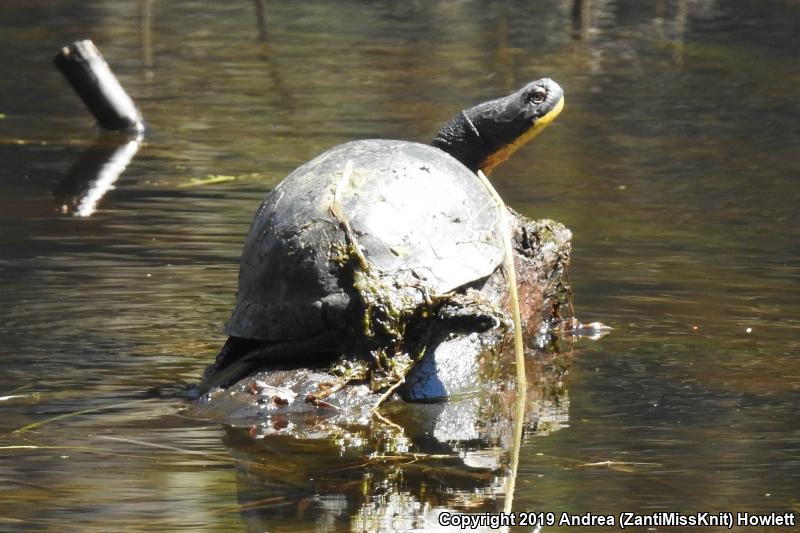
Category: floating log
[88,73]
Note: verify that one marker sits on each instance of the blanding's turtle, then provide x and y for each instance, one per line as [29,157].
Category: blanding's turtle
[355,249]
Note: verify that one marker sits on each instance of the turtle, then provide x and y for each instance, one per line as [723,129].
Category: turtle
[357,247]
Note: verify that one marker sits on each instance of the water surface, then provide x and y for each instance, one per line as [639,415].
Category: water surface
[674,164]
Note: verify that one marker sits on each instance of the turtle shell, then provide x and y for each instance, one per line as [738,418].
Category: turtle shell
[420,217]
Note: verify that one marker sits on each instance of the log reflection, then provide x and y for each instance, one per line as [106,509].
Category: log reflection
[95,173]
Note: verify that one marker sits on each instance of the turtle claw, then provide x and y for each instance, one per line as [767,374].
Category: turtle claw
[314,400]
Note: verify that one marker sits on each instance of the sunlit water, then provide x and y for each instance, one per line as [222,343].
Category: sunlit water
[674,164]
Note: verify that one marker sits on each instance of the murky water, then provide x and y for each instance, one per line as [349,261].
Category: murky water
[674,163]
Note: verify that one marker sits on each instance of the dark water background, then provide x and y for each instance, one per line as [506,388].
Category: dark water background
[674,163]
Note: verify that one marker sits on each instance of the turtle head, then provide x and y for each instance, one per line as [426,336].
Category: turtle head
[484,136]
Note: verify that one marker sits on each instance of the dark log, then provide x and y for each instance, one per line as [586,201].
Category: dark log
[88,73]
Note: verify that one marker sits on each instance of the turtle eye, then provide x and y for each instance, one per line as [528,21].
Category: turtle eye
[537,95]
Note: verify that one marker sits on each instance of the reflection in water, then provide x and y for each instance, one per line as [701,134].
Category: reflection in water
[148,58]
[270,61]
[95,173]
[679,23]
[395,471]
[261,19]
[595,25]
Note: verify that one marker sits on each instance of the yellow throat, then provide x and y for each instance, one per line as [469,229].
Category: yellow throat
[505,152]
